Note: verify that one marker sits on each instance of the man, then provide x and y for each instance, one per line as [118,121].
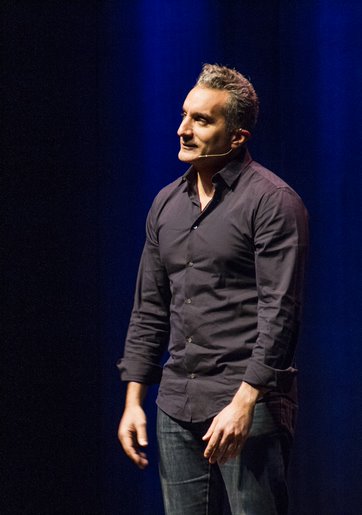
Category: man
[219,285]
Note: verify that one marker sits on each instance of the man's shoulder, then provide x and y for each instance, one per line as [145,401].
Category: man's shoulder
[265,184]
[269,192]
[171,187]
[169,191]
[266,179]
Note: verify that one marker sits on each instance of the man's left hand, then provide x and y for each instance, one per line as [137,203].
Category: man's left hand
[229,430]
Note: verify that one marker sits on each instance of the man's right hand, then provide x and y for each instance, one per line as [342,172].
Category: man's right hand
[132,429]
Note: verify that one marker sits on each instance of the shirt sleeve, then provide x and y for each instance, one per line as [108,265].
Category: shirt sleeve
[281,241]
[149,328]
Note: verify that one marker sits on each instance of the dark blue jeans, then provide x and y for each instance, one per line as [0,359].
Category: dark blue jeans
[254,483]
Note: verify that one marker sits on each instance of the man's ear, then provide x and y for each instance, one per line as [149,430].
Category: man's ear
[239,137]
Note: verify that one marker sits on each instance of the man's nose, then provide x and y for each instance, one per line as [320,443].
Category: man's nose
[184,128]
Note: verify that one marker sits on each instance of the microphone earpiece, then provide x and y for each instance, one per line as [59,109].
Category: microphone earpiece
[217,155]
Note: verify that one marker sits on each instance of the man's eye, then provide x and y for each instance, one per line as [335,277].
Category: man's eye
[183,114]
[202,121]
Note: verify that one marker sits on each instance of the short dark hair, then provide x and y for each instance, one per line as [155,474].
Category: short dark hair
[242,108]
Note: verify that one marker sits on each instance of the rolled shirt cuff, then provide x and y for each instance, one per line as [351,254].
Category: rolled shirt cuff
[261,375]
[139,371]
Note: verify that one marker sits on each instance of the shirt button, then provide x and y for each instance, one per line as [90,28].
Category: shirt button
[195,226]
[190,263]
[189,339]
[188,301]
[192,376]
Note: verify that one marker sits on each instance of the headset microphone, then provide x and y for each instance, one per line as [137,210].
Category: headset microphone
[217,155]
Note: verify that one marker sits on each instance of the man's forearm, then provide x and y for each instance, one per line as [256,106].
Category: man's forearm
[135,395]
[248,395]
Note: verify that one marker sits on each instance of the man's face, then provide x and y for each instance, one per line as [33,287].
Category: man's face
[203,127]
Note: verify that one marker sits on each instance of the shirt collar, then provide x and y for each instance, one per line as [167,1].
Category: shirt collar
[229,173]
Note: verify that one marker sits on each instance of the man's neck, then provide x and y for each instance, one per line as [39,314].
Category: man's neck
[207,169]
[205,186]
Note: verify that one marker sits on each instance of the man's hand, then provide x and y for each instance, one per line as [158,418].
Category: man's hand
[229,430]
[132,431]
[133,436]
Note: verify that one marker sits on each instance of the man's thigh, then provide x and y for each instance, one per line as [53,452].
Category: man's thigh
[190,485]
[256,480]
[252,484]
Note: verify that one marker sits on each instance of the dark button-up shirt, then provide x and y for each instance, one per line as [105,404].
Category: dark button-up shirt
[221,289]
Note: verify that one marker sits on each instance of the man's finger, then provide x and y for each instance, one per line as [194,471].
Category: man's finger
[219,450]
[130,447]
[142,435]
[213,444]
[210,431]
[138,457]
[128,444]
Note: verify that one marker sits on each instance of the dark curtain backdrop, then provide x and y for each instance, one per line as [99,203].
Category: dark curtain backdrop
[92,93]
